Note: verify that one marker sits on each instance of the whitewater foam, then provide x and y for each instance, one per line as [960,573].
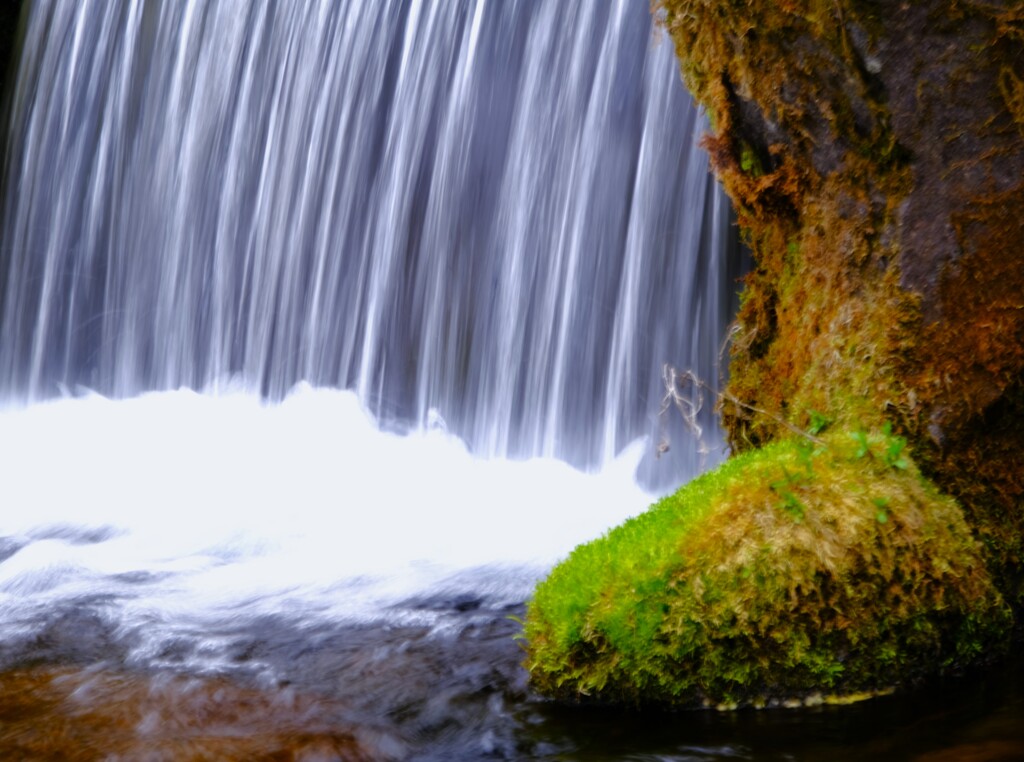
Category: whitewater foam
[179,511]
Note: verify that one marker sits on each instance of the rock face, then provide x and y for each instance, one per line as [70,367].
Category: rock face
[875,153]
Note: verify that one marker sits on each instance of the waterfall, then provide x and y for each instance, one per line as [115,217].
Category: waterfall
[491,216]
[231,229]
[489,224]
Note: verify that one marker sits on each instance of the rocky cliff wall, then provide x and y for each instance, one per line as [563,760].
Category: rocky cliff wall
[875,153]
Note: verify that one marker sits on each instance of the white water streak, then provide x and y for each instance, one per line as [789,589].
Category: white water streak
[182,508]
[494,212]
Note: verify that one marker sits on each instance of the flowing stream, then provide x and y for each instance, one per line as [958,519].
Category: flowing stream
[328,326]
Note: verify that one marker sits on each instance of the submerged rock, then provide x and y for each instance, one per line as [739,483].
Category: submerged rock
[99,713]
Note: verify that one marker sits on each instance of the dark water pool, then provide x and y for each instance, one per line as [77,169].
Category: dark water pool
[452,690]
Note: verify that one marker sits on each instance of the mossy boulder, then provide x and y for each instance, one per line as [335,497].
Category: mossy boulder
[802,571]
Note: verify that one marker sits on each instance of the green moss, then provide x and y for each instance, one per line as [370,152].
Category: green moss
[775,576]
[750,164]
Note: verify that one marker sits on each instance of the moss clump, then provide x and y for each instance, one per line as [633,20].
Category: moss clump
[802,568]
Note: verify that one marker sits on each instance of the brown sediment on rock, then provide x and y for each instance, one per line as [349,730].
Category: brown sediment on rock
[49,713]
[875,154]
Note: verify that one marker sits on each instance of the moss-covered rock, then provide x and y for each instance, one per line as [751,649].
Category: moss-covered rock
[875,154]
[801,571]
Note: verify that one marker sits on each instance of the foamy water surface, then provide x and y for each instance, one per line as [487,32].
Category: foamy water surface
[175,513]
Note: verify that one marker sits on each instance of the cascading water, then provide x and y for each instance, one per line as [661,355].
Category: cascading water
[493,213]
[484,222]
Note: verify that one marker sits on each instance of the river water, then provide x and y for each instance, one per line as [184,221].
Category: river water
[190,576]
[328,327]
